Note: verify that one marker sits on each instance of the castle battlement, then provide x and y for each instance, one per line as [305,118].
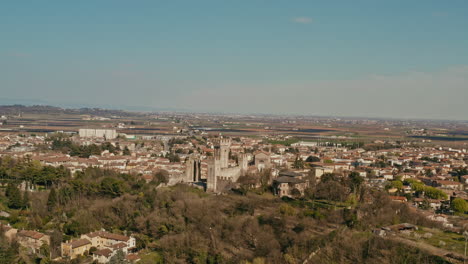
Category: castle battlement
[225,142]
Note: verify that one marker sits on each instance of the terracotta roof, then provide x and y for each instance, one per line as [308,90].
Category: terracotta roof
[286,179]
[261,152]
[290,174]
[30,234]
[5,228]
[429,200]
[448,183]
[103,252]
[79,243]
[132,257]
[119,245]
[398,198]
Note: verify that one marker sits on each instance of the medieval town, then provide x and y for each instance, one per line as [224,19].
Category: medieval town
[315,177]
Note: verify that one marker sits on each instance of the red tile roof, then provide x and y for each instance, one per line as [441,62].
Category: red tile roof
[79,243]
[103,252]
[30,234]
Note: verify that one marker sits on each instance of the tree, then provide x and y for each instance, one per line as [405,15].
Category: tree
[118,258]
[173,157]
[356,181]
[328,177]
[396,184]
[72,228]
[92,250]
[14,197]
[152,258]
[459,205]
[52,200]
[126,151]
[56,237]
[313,159]
[161,176]
[44,251]
[434,193]
[298,163]
[332,191]
[25,201]
[7,252]
[9,189]
[111,186]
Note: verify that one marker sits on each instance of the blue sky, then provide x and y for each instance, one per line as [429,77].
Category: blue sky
[350,58]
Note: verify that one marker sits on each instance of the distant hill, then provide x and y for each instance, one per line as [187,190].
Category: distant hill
[46,109]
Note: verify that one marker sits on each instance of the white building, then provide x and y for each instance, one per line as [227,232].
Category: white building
[304,144]
[97,133]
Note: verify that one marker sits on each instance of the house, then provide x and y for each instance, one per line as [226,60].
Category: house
[75,248]
[120,246]
[388,176]
[400,199]
[438,218]
[106,243]
[361,173]
[319,171]
[8,231]
[465,179]
[114,242]
[32,239]
[262,160]
[407,189]
[451,185]
[433,203]
[103,255]
[290,184]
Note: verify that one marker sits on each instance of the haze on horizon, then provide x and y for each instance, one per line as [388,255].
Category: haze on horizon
[398,59]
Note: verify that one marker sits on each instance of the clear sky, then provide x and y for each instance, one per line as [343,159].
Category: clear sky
[393,58]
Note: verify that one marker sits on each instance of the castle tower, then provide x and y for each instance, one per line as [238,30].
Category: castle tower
[193,169]
[243,162]
[214,169]
[224,148]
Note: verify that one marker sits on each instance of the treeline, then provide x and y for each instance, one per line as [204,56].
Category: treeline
[16,199]
[45,109]
[18,170]
[428,191]
[66,145]
[9,252]
[381,146]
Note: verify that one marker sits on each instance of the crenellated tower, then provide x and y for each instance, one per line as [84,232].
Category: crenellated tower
[224,148]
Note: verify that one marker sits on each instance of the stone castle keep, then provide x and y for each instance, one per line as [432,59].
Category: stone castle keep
[219,171]
[218,166]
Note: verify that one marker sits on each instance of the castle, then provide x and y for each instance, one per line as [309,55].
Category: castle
[219,172]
